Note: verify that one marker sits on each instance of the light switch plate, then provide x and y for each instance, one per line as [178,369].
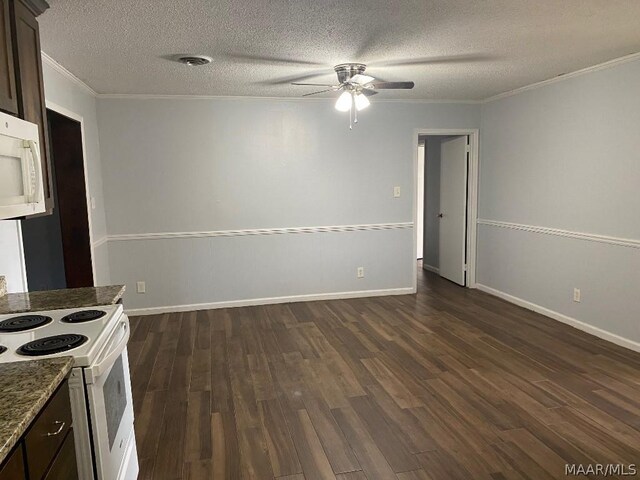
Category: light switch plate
[396,192]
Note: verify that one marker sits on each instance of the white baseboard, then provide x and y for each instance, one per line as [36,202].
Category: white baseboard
[268,301]
[430,268]
[585,327]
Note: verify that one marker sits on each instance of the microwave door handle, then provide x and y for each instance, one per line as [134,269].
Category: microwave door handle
[94,372]
[36,166]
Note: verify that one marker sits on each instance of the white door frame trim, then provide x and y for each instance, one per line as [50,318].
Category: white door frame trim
[78,118]
[472,200]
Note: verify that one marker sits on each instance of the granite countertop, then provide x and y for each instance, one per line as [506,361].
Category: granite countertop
[56,299]
[25,387]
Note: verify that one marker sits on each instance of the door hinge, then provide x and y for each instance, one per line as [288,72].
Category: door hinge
[465,268]
[468,149]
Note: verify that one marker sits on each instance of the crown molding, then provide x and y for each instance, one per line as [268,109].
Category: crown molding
[38,7]
[136,96]
[601,66]
[142,96]
[67,74]
[424,100]
[151,96]
[46,58]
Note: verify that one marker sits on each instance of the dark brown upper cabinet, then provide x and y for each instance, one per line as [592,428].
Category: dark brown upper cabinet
[29,81]
[8,94]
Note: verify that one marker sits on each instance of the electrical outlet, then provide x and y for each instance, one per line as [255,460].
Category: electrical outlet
[141,287]
[360,272]
[396,192]
[576,295]
[93,203]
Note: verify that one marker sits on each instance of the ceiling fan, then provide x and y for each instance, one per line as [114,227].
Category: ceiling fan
[356,87]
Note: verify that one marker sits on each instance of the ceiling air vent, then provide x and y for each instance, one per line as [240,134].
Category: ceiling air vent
[195,60]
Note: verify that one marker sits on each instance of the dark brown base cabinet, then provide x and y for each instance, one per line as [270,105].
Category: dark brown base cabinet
[13,468]
[47,450]
[64,466]
[21,81]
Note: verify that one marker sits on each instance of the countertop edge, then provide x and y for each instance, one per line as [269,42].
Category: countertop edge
[36,407]
[84,297]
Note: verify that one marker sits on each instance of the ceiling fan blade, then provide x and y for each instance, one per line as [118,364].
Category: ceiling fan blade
[295,78]
[270,60]
[392,85]
[361,79]
[450,59]
[367,92]
[314,84]
[321,91]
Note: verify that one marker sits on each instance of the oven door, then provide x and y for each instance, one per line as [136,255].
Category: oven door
[111,408]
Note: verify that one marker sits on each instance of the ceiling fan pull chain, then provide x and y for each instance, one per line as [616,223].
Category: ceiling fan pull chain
[355,110]
[351,116]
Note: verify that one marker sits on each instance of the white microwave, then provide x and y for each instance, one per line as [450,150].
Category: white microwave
[21,182]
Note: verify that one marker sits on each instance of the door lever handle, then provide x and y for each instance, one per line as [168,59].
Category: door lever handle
[440,215]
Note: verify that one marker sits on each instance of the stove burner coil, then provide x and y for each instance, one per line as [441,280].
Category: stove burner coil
[50,345]
[83,316]
[23,322]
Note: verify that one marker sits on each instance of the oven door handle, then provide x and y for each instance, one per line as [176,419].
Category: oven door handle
[35,175]
[104,363]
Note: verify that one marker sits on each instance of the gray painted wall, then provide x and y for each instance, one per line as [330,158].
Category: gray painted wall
[185,165]
[565,156]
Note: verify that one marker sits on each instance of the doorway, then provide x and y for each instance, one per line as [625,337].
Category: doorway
[446,174]
[57,247]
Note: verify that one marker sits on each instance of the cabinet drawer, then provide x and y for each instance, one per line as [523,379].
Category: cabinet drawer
[13,468]
[64,466]
[47,433]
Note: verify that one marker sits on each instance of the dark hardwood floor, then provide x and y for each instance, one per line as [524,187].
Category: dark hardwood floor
[446,384]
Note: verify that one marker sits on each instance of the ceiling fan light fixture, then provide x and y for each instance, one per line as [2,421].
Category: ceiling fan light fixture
[361,101]
[356,87]
[344,102]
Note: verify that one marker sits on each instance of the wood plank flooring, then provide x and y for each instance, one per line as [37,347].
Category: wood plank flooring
[443,385]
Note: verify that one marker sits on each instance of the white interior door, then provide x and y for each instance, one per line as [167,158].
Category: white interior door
[453,208]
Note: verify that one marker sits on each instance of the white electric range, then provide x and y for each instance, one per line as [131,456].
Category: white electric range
[99,385]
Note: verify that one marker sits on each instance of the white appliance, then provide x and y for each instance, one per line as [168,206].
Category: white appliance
[21,182]
[99,386]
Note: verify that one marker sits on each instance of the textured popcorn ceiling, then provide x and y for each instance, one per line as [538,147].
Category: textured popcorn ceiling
[492,46]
